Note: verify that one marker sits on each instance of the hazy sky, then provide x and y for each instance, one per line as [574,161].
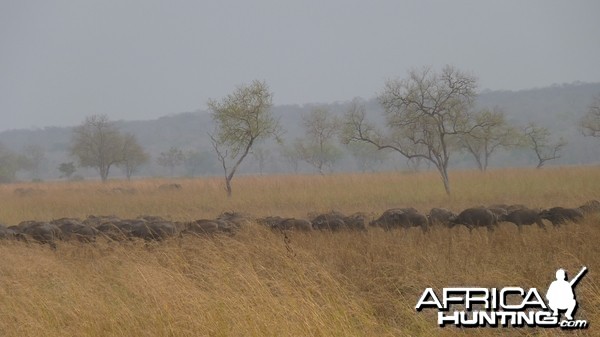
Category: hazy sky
[63,60]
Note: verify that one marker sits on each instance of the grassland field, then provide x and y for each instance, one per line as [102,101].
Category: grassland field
[262,283]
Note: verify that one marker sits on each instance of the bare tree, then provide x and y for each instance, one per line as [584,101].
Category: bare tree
[538,139]
[493,132]
[242,119]
[171,159]
[424,115]
[318,148]
[97,143]
[590,123]
[133,154]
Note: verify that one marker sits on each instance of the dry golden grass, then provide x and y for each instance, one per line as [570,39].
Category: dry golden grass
[317,284]
[297,195]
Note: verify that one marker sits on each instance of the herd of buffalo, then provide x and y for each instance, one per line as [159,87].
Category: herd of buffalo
[157,228]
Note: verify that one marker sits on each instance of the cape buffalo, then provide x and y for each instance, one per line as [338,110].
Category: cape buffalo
[521,217]
[333,221]
[440,216]
[237,220]
[401,218]
[201,226]
[475,217]
[296,224]
[73,229]
[154,230]
[119,230]
[560,215]
[42,232]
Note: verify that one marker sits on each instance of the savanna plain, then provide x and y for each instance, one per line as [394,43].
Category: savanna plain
[259,282]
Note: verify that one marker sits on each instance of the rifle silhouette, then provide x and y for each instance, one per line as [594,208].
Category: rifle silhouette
[575,279]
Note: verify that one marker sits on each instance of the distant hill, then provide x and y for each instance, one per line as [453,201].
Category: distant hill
[557,107]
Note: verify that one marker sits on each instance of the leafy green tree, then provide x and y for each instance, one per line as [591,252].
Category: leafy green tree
[242,119]
[67,169]
[539,139]
[133,155]
[97,143]
[171,159]
[425,113]
[492,133]
[318,148]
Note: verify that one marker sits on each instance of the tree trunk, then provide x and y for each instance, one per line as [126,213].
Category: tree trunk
[229,177]
[228,186]
[445,179]
[480,165]
[104,173]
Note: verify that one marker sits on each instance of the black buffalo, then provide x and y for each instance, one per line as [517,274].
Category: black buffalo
[440,216]
[561,215]
[42,232]
[521,217]
[475,217]
[72,228]
[159,230]
[401,218]
[332,221]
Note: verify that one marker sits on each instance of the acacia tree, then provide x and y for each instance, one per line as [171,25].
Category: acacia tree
[171,159]
[319,149]
[590,123]
[97,143]
[538,139]
[242,119]
[493,132]
[425,113]
[133,154]
[67,169]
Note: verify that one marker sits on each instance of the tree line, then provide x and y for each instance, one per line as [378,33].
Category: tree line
[429,116]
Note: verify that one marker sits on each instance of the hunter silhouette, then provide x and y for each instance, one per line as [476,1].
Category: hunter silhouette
[560,294]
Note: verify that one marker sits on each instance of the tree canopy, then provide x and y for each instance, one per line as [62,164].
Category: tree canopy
[242,119]
[99,144]
[425,113]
